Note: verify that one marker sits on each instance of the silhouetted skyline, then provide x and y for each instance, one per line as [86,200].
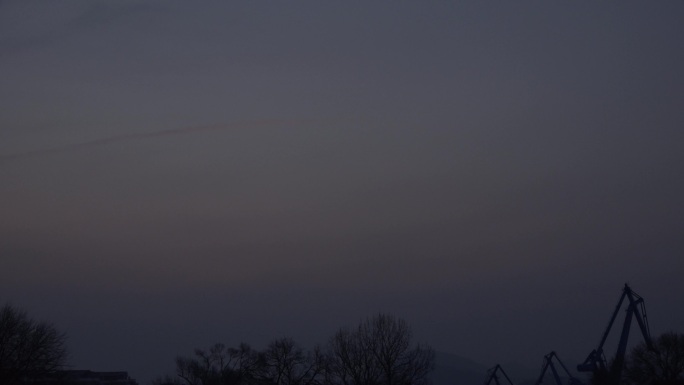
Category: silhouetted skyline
[176,174]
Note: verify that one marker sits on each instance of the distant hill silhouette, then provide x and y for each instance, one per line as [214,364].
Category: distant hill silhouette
[521,374]
[452,369]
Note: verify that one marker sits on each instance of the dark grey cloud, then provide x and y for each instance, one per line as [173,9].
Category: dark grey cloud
[73,19]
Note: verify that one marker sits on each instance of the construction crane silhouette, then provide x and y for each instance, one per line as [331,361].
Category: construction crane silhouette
[548,364]
[596,361]
[491,376]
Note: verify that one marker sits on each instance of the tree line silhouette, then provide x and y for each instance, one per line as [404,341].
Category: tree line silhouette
[379,351]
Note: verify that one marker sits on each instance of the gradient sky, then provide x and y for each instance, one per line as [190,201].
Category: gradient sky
[174,174]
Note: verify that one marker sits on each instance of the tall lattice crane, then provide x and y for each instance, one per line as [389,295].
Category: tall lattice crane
[596,361]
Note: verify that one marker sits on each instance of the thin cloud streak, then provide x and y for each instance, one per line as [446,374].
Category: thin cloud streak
[149,135]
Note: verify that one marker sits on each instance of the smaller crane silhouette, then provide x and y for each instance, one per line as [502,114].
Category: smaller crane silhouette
[548,364]
[492,376]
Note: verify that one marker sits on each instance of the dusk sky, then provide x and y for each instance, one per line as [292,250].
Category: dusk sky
[175,173]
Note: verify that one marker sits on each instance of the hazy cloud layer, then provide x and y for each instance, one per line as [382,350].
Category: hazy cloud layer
[174,174]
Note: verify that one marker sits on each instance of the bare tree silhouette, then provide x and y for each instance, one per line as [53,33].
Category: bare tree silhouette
[28,349]
[663,365]
[217,366]
[379,351]
[285,363]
